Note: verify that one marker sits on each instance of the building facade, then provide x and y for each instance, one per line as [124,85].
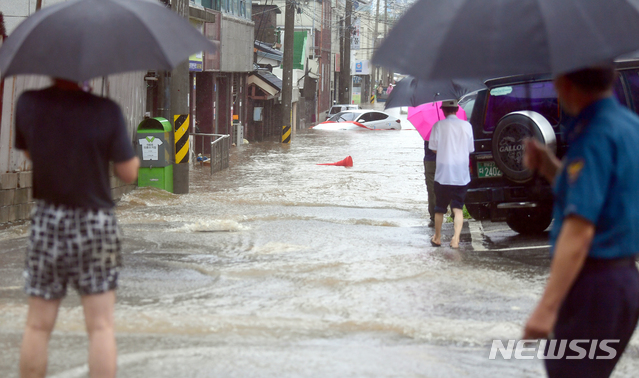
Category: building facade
[217,99]
[219,81]
[313,67]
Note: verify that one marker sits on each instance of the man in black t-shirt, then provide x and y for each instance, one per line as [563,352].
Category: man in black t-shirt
[71,136]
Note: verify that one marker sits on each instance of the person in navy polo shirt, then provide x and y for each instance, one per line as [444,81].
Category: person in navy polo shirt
[592,293]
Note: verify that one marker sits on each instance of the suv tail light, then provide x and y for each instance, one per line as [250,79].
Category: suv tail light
[398,121]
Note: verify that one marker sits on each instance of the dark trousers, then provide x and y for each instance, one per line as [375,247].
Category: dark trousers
[429,175]
[602,304]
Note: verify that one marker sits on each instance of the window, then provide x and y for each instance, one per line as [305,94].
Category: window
[632,78]
[335,110]
[366,117]
[344,116]
[468,103]
[377,116]
[539,97]
[619,92]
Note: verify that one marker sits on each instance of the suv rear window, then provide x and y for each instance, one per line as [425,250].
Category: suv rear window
[539,97]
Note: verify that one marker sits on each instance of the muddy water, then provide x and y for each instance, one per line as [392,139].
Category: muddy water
[280,267]
[307,265]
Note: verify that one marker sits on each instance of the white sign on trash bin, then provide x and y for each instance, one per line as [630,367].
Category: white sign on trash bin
[150,146]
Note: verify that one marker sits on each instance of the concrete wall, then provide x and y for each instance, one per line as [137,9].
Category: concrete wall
[17,10]
[16,195]
[237,44]
[265,19]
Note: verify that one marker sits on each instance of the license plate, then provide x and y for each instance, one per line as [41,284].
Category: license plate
[487,169]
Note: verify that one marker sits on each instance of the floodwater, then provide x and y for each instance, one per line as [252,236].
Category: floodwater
[279,267]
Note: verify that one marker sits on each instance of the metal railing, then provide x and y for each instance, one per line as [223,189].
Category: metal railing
[220,148]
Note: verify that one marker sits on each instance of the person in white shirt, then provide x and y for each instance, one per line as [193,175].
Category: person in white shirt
[452,140]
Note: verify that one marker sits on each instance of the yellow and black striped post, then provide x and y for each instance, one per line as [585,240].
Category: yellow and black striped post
[181,123]
[181,166]
[286,134]
[372,99]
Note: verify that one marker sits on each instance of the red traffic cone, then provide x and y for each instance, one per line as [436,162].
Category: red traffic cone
[348,162]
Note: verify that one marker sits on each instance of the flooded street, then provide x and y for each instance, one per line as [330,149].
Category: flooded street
[278,267]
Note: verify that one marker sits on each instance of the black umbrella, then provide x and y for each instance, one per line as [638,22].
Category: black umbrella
[411,91]
[81,39]
[490,38]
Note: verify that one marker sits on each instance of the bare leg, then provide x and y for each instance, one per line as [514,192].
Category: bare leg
[458,222]
[98,315]
[35,341]
[439,220]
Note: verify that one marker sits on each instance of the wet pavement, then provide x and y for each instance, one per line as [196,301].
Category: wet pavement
[278,267]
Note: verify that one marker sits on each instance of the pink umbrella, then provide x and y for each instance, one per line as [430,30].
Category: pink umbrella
[424,116]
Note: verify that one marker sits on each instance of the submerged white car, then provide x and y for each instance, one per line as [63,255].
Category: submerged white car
[340,108]
[360,120]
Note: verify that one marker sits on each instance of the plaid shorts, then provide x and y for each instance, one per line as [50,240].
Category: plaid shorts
[71,245]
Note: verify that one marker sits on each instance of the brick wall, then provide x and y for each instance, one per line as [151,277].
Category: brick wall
[16,195]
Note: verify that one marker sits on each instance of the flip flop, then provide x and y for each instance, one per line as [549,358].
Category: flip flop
[434,244]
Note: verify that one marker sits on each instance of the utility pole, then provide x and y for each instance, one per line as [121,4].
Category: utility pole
[385,71]
[389,72]
[374,69]
[287,75]
[345,74]
[179,113]
[338,84]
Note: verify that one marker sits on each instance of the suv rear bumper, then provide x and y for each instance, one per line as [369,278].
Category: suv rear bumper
[490,198]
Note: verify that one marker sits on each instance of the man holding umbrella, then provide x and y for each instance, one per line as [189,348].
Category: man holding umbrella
[593,289]
[71,137]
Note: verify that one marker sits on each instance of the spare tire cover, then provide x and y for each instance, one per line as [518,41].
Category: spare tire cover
[508,141]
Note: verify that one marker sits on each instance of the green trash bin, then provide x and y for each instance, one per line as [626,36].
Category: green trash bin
[156,155]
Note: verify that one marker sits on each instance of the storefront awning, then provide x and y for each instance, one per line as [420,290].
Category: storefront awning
[266,81]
